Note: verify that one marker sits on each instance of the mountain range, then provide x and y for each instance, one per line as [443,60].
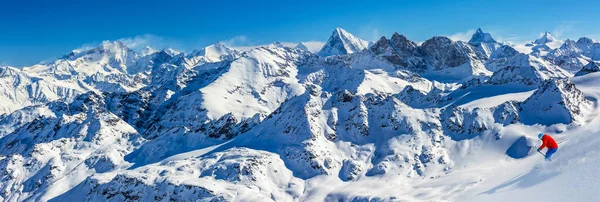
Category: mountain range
[389,120]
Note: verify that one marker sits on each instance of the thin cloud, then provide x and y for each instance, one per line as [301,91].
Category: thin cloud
[314,46]
[369,33]
[241,40]
[139,42]
[462,36]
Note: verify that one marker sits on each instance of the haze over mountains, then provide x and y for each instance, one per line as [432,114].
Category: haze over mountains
[386,120]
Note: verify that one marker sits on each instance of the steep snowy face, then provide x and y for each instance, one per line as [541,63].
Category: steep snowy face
[108,57]
[556,101]
[341,42]
[250,87]
[448,59]
[214,53]
[504,51]
[546,38]
[524,69]
[589,48]
[484,42]
[308,129]
[301,46]
[21,90]
[110,67]
[569,56]
[591,67]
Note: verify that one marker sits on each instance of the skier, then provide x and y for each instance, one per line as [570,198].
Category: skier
[548,141]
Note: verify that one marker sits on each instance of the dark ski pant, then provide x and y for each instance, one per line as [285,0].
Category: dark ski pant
[550,152]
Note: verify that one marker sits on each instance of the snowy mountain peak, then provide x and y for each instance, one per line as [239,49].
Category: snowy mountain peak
[591,67]
[546,38]
[301,46]
[555,101]
[148,51]
[342,42]
[214,51]
[276,44]
[481,37]
[586,41]
[170,51]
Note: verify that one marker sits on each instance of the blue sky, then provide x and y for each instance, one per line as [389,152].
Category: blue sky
[36,30]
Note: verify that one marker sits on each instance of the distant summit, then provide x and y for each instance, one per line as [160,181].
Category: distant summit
[481,37]
[342,42]
[546,38]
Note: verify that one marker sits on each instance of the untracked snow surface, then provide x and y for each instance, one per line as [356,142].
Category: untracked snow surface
[389,121]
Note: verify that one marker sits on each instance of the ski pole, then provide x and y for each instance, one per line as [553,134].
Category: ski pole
[541,153]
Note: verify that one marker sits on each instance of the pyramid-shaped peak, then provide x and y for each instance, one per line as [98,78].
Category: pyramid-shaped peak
[546,38]
[301,46]
[342,42]
[481,37]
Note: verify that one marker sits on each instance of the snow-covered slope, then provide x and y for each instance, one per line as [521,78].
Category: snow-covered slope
[441,121]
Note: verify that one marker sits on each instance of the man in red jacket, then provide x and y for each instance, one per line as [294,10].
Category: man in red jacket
[548,141]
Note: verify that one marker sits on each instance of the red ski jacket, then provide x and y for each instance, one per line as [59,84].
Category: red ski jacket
[549,142]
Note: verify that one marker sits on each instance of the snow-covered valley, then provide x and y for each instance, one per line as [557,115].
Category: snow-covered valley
[389,120]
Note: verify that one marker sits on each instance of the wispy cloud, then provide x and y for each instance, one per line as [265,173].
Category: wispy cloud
[241,40]
[139,42]
[314,46]
[462,36]
[369,33]
[563,28]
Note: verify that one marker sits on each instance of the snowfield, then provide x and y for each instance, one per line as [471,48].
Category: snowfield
[356,121]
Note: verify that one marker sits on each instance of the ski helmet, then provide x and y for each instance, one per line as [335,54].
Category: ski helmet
[540,135]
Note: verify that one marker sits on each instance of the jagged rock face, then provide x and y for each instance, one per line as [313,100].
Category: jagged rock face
[82,136]
[444,52]
[449,60]
[556,101]
[569,56]
[589,48]
[341,42]
[507,113]
[419,99]
[504,51]
[521,75]
[400,51]
[465,124]
[522,147]
[591,67]
[403,45]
